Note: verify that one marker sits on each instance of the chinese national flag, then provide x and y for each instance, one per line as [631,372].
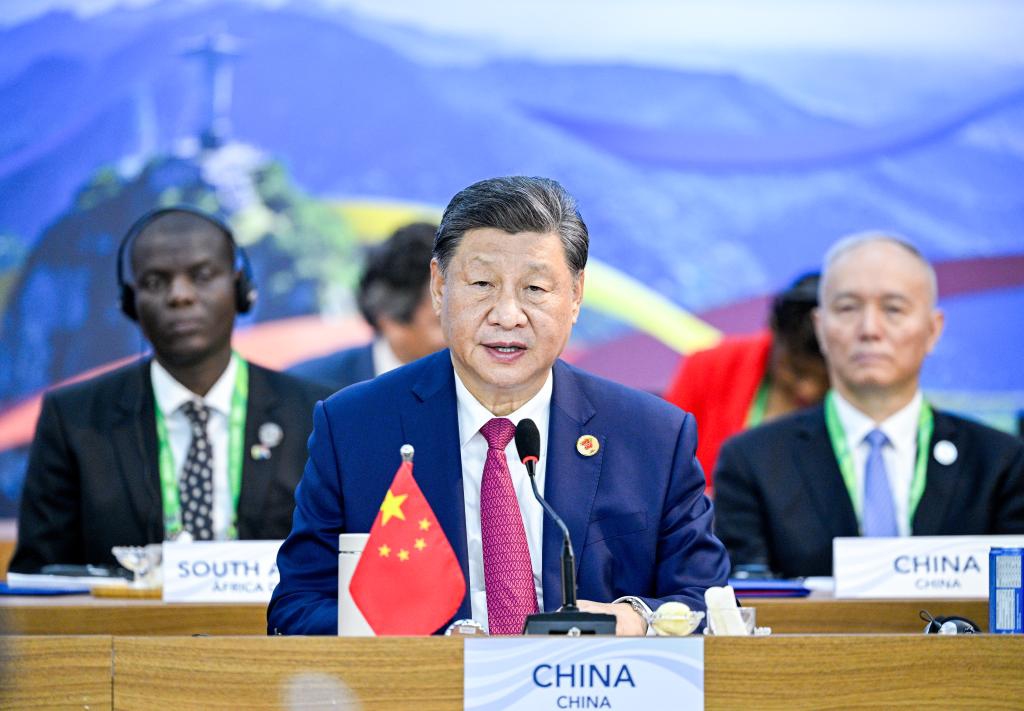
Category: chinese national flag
[408,580]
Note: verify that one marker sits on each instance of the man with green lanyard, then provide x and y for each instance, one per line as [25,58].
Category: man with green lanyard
[193,443]
[875,459]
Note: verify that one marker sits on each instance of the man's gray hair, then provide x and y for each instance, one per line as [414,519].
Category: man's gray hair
[514,204]
[859,239]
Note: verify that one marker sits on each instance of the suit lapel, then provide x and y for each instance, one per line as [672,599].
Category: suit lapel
[431,425]
[256,473]
[940,483]
[570,479]
[133,432]
[815,459]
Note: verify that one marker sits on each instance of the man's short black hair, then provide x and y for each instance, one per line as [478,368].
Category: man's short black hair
[396,275]
[515,204]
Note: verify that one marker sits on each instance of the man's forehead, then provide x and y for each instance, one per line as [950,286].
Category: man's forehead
[872,291]
[195,241]
[527,260]
[489,245]
[878,268]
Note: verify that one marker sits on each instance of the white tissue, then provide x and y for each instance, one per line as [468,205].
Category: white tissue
[723,611]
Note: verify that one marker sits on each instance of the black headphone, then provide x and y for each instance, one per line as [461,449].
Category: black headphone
[948,625]
[245,287]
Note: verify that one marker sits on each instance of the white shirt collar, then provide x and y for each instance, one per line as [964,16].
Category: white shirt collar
[384,358]
[900,427]
[171,395]
[473,415]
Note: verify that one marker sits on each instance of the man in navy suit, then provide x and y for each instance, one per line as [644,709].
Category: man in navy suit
[618,464]
[875,459]
[394,299]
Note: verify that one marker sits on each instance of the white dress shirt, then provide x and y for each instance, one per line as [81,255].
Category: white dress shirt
[899,455]
[170,396]
[473,416]
[384,358]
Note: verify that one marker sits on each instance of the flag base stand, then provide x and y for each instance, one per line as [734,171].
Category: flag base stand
[572,624]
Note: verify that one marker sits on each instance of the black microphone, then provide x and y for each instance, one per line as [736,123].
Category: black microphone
[568,619]
[528,447]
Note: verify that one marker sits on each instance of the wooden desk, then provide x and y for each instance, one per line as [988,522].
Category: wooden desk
[778,672]
[82,614]
[8,542]
[6,553]
[56,672]
[824,614]
[79,614]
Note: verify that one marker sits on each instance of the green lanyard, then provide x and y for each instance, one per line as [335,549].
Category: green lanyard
[925,425]
[236,437]
[757,408]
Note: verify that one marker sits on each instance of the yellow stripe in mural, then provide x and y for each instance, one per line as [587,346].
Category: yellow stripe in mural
[375,220]
[616,294]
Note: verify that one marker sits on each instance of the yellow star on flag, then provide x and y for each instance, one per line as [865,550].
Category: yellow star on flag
[403,555]
[384,551]
[424,524]
[392,507]
[420,544]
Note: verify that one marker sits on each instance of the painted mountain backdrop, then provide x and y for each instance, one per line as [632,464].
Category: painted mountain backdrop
[710,184]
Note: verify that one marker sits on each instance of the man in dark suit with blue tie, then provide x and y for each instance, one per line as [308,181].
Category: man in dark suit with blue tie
[618,464]
[875,459]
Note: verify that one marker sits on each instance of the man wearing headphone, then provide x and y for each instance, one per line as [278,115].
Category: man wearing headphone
[193,443]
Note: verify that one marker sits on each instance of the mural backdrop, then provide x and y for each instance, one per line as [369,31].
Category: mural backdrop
[716,152]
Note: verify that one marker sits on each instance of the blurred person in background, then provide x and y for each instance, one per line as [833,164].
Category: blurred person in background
[394,299]
[747,380]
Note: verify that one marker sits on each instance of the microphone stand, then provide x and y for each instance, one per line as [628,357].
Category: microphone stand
[568,619]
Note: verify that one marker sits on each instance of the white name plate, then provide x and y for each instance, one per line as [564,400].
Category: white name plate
[220,571]
[547,674]
[915,567]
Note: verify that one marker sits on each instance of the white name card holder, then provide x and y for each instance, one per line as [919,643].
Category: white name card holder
[220,571]
[351,622]
[583,673]
[915,566]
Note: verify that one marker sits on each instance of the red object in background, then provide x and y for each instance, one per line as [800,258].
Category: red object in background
[408,580]
[717,386]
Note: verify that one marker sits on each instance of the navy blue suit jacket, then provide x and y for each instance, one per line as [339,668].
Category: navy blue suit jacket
[636,511]
[338,370]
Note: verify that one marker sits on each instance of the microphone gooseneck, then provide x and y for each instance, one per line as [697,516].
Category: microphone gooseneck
[528,448]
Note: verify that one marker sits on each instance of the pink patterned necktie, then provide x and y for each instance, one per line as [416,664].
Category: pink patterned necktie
[508,573]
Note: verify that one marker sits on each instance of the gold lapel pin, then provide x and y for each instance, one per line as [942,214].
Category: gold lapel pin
[587,445]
